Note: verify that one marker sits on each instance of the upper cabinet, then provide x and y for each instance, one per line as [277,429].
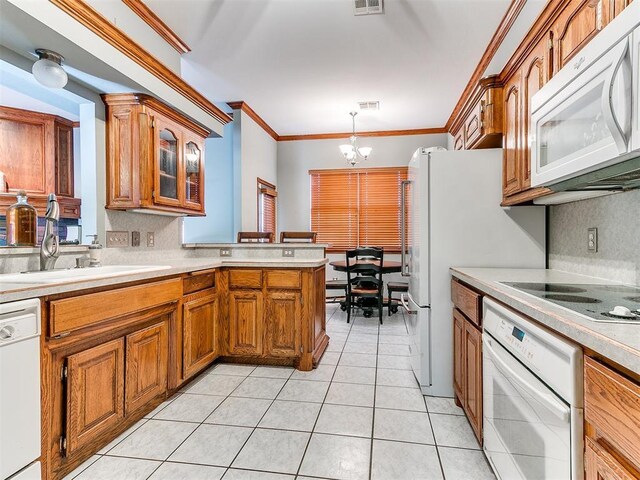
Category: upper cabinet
[155,157]
[479,124]
[36,155]
[575,23]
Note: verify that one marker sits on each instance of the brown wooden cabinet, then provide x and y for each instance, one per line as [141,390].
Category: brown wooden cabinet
[512,159]
[199,332]
[612,423]
[36,155]
[479,124]
[155,156]
[577,24]
[467,353]
[245,322]
[147,353]
[282,322]
[95,393]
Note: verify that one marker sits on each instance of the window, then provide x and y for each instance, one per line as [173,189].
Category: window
[357,207]
[267,195]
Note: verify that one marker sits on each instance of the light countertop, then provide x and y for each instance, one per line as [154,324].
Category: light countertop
[10,292]
[615,341]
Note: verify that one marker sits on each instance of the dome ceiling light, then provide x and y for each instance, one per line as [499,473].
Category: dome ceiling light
[48,70]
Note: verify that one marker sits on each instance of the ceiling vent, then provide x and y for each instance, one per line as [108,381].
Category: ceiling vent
[367,7]
[368,106]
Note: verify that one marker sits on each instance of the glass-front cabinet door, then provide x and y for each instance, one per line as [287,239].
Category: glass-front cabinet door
[194,173]
[167,163]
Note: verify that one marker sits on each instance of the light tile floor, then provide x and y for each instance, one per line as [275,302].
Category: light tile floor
[359,415]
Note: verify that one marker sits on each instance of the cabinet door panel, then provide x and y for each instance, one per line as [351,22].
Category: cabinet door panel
[64,159]
[473,378]
[580,21]
[199,318]
[95,393]
[319,312]
[473,125]
[458,354]
[193,172]
[458,139]
[534,77]
[511,144]
[168,163]
[283,320]
[147,365]
[602,465]
[245,322]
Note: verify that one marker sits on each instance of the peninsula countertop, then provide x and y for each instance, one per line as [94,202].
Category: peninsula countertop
[618,342]
[13,291]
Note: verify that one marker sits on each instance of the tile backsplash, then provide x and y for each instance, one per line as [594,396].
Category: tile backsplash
[617,219]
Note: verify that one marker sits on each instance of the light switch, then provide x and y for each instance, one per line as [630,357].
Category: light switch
[117,239]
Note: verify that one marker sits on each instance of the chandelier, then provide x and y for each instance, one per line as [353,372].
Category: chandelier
[351,152]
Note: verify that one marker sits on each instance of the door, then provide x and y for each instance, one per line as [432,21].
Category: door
[199,323]
[527,428]
[602,465]
[168,163]
[283,322]
[245,322]
[512,132]
[579,22]
[458,355]
[320,307]
[147,364]
[533,78]
[63,134]
[472,386]
[95,393]
[193,167]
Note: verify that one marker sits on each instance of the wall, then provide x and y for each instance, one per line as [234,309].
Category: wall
[218,225]
[616,217]
[258,159]
[295,159]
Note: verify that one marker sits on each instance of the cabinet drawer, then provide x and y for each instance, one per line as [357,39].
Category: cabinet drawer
[284,279]
[467,301]
[245,278]
[197,281]
[612,406]
[74,313]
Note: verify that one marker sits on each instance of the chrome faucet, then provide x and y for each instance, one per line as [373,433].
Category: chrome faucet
[49,249]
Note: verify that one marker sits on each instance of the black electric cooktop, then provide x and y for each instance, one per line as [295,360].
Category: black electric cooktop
[598,302]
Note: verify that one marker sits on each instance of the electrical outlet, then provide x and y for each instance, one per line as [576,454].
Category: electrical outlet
[592,240]
[225,252]
[117,239]
[135,239]
[288,252]
[151,239]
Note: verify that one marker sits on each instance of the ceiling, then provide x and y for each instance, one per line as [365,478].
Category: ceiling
[302,64]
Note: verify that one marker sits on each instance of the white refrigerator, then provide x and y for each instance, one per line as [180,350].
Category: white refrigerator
[452,199]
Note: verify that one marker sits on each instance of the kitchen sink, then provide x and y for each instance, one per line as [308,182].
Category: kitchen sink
[78,274]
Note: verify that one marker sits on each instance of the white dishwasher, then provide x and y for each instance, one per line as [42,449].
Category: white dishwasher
[532,399]
[20,390]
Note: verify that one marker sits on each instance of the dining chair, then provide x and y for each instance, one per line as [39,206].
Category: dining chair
[302,237]
[364,278]
[251,237]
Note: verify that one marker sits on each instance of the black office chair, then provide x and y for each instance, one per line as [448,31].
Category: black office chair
[364,278]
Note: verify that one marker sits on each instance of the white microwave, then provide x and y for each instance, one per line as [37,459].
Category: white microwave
[587,116]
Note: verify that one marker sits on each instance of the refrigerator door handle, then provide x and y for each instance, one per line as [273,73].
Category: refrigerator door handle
[404,269]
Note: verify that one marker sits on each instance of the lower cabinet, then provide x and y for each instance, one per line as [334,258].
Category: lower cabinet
[199,332]
[245,322]
[147,363]
[282,321]
[467,369]
[95,393]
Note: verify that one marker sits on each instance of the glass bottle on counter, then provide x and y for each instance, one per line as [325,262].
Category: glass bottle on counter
[22,223]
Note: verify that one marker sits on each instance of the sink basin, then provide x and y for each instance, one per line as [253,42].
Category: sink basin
[78,274]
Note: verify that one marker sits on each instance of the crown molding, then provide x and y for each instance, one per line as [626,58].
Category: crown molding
[161,28]
[242,105]
[379,133]
[496,40]
[98,24]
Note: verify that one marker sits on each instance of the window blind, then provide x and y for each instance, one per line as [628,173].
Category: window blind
[267,195]
[357,207]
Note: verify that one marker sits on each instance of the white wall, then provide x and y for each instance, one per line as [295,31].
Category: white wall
[295,159]
[258,159]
